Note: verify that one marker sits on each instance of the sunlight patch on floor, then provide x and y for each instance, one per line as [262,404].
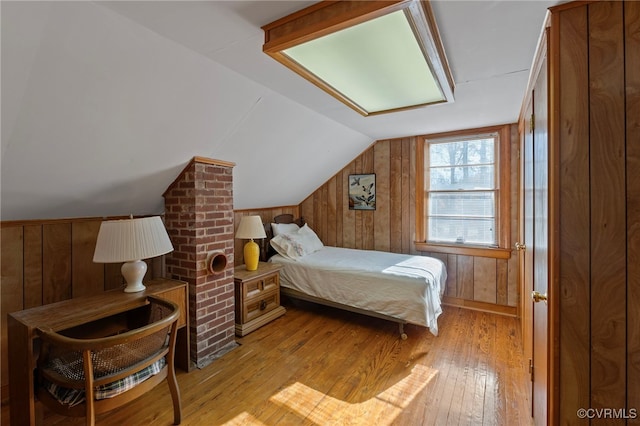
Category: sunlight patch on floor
[316,407]
[244,419]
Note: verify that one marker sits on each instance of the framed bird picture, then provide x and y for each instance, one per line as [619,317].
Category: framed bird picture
[362,192]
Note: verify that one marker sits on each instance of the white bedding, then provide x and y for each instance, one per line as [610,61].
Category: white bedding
[402,286]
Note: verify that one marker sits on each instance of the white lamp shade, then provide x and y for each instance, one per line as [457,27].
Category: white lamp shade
[250,227]
[131,239]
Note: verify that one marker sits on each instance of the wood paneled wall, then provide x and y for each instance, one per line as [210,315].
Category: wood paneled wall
[475,282]
[595,53]
[47,261]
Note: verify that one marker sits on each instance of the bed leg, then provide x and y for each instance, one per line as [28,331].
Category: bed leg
[403,335]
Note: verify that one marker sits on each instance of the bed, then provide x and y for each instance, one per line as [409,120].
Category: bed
[397,287]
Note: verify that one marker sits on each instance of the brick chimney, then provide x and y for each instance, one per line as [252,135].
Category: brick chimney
[199,220]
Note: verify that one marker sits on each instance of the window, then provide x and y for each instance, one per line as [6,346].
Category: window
[464,186]
[462,194]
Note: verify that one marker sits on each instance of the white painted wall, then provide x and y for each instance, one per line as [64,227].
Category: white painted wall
[100,114]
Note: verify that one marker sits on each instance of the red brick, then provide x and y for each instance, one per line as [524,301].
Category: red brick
[199,218]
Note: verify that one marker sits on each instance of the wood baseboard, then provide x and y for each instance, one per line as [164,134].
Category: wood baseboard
[511,311]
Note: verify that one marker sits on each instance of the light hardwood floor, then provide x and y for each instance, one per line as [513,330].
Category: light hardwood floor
[320,366]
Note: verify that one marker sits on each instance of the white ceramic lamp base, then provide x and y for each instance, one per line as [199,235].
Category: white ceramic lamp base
[133,273]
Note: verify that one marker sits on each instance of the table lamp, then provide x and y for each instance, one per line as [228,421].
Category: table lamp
[251,227]
[130,241]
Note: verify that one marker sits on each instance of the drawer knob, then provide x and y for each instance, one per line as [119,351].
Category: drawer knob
[263,305]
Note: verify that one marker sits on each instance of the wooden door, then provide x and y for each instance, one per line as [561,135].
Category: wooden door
[525,245]
[540,248]
[533,247]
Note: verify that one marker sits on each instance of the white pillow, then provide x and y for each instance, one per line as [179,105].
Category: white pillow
[287,246]
[311,240]
[283,228]
[297,244]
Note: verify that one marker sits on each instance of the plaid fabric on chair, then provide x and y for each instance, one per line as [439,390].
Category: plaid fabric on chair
[72,397]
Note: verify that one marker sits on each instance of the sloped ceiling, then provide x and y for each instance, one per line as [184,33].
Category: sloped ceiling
[104,103]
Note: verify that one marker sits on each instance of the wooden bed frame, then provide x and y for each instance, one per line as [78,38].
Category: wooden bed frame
[267,251]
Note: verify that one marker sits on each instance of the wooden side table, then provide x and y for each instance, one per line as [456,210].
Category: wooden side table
[257,296]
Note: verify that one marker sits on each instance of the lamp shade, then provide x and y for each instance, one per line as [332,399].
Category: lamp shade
[250,227]
[131,239]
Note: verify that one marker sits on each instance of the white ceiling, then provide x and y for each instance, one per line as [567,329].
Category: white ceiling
[489,45]
[103,103]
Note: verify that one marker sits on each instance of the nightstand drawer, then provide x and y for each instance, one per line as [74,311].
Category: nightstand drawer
[256,287]
[257,296]
[257,306]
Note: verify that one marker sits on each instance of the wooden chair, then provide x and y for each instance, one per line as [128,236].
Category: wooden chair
[91,374]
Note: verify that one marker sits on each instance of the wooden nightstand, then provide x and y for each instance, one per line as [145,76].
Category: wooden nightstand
[257,296]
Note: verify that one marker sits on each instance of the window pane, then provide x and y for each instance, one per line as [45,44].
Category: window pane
[469,177]
[479,151]
[462,230]
[462,191]
[471,204]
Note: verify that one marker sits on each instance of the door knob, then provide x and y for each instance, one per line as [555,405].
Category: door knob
[537,296]
[520,246]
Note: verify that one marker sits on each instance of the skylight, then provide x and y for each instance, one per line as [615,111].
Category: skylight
[375,57]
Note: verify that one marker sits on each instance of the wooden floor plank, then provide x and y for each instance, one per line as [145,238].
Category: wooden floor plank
[452,413]
[491,396]
[320,366]
[437,395]
[516,379]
